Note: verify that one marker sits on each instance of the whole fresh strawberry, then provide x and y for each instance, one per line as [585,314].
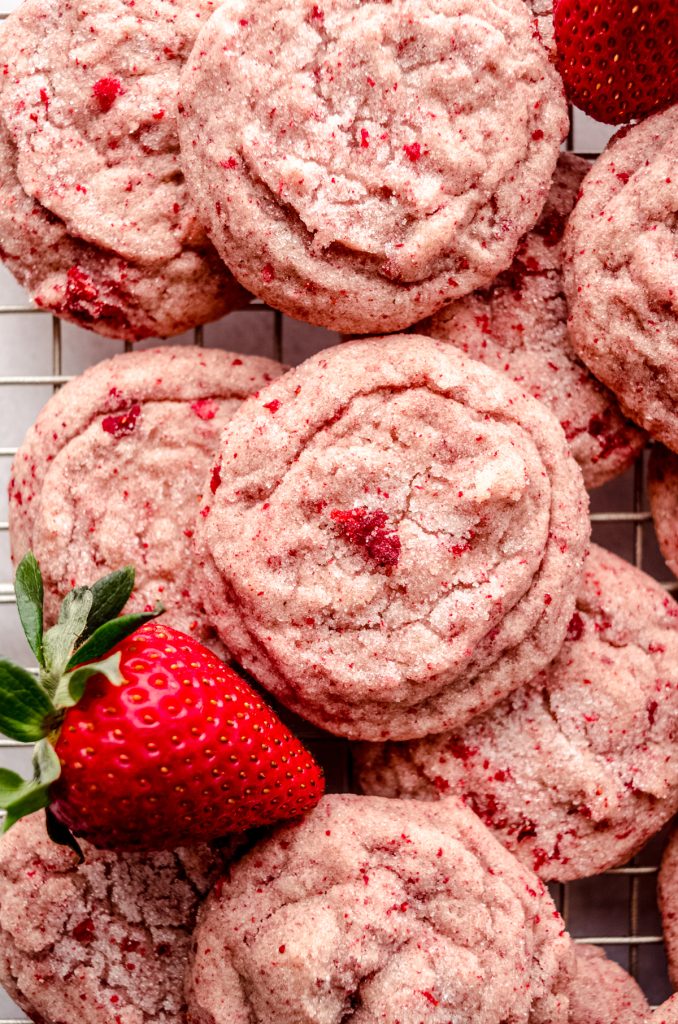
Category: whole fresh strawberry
[144,738]
[618,58]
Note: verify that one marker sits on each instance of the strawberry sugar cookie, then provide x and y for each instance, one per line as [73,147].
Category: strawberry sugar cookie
[95,219]
[575,771]
[621,273]
[604,993]
[380,160]
[395,540]
[112,472]
[380,911]
[102,942]
[519,325]
[663,493]
[667,1013]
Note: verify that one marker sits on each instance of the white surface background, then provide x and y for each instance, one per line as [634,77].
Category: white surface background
[598,907]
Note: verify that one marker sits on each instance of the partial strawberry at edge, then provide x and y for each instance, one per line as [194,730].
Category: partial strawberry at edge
[618,58]
[143,738]
[185,751]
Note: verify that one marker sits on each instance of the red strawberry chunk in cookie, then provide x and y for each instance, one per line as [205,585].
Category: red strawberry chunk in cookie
[122,424]
[106,91]
[367,529]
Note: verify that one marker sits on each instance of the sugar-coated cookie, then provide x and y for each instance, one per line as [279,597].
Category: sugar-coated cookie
[604,993]
[112,472]
[102,942]
[662,485]
[380,160]
[95,219]
[667,1013]
[667,892]
[519,325]
[575,771]
[394,538]
[380,911]
[621,272]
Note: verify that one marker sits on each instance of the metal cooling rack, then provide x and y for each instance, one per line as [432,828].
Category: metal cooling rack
[616,910]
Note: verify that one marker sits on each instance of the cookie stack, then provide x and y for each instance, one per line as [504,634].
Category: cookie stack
[391,539]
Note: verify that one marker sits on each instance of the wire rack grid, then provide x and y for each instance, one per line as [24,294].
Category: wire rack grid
[616,910]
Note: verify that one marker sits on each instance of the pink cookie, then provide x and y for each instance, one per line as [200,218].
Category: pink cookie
[667,1013]
[577,770]
[103,942]
[395,540]
[380,160]
[519,325]
[603,992]
[621,273]
[95,219]
[667,891]
[381,912]
[112,472]
[663,491]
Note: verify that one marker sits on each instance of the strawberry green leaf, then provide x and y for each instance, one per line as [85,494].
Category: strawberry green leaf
[110,634]
[46,765]
[61,834]
[72,686]
[24,705]
[29,598]
[31,795]
[11,784]
[59,641]
[110,595]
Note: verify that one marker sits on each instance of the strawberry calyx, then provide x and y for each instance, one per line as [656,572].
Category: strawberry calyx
[69,654]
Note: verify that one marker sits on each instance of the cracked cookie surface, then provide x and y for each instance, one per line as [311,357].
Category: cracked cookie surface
[95,218]
[518,325]
[396,537]
[102,942]
[621,269]
[576,770]
[112,472]
[345,174]
[380,911]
